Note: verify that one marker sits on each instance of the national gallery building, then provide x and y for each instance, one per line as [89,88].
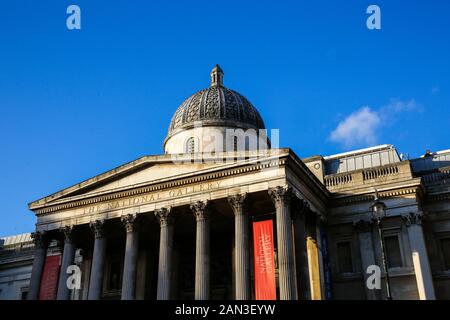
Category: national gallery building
[224,213]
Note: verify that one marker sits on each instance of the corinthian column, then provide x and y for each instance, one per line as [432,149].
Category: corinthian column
[421,263]
[67,260]
[131,254]
[281,197]
[202,259]
[299,209]
[40,252]
[98,261]
[242,262]
[165,252]
[364,231]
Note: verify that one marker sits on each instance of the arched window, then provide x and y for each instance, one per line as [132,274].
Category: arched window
[190,145]
[235,143]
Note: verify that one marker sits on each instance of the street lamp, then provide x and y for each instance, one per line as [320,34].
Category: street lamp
[378,213]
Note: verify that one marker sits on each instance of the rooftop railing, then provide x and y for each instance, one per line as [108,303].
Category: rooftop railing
[368,176]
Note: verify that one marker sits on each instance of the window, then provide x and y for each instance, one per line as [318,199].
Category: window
[344,253]
[393,253]
[190,145]
[445,245]
[235,143]
[24,295]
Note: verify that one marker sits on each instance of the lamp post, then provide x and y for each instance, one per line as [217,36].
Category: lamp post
[378,213]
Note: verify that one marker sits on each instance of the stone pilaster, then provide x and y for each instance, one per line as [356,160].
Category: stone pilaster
[98,261]
[242,256]
[202,258]
[41,242]
[366,248]
[281,197]
[67,260]
[165,218]
[419,253]
[131,255]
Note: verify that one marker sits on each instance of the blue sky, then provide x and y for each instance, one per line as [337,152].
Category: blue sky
[77,103]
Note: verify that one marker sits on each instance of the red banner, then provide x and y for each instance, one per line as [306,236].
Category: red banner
[50,275]
[265,288]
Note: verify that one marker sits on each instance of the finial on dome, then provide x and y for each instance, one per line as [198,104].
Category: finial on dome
[217,76]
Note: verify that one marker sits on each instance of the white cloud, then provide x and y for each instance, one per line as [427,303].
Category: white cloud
[362,127]
[358,128]
[435,90]
[395,106]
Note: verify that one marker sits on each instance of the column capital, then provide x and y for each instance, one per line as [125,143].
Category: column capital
[299,208]
[67,232]
[238,202]
[201,210]
[40,239]
[129,222]
[413,218]
[97,227]
[362,226]
[280,195]
[164,216]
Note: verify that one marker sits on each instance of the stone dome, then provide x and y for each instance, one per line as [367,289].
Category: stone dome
[215,106]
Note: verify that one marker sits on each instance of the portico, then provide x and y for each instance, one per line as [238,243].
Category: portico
[198,205]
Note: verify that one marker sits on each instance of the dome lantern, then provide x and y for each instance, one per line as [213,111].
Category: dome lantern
[217,76]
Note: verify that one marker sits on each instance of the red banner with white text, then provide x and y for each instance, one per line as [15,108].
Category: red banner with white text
[263,248]
[50,276]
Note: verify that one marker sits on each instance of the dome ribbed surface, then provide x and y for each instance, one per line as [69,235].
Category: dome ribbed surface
[217,106]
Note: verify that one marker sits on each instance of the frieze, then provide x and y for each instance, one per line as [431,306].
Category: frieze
[152,197]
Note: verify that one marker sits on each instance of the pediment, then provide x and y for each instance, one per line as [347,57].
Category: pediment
[169,170]
[148,174]
[149,169]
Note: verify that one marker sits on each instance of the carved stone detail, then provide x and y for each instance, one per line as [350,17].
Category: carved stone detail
[201,210]
[67,231]
[97,227]
[281,195]
[238,202]
[40,239]
[413,218]
[129,222]
[164,216]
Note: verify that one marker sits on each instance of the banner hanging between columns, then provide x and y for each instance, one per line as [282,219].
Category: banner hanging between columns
[50,276]
[263,248]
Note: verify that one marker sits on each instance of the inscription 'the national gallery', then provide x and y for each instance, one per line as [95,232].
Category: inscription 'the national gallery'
[152,197]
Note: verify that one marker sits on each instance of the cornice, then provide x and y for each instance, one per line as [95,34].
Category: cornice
[386,193]
[306,175]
